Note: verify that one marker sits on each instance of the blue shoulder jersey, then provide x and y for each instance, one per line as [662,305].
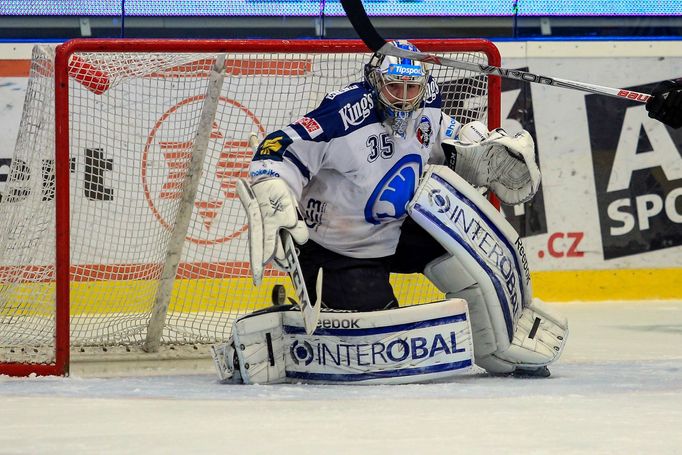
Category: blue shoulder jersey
[352,176]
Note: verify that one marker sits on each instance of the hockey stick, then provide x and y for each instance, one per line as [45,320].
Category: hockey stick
[364,28]
[311,313]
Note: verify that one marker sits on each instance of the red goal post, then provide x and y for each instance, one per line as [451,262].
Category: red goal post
[122,231]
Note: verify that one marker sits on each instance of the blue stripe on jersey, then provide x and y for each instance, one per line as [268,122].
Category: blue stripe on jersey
[301,167]
[433,96]
[301,131]
[275,148]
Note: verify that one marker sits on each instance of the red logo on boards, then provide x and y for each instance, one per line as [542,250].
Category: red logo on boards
[166,163]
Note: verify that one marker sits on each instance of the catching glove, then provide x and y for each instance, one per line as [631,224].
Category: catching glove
[506,164]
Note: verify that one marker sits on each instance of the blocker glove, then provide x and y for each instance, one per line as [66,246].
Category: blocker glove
[665,103]
[270,208]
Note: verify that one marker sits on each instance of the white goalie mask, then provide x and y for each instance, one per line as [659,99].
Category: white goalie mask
[400,85]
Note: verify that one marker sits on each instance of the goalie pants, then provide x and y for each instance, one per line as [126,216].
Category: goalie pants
[361,284]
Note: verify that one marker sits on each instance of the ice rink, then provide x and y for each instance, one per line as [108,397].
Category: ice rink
[616,390]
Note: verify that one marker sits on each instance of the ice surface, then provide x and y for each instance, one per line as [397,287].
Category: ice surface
[616,390]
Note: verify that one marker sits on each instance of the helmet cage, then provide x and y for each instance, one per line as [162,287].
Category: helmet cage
[400,85]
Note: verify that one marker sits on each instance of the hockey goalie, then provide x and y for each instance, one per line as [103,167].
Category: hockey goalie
[378,180]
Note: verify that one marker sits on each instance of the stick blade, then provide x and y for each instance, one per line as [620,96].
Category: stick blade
[311,314]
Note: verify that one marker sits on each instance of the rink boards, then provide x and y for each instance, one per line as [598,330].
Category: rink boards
[606,221]
[215,295]
[238,295]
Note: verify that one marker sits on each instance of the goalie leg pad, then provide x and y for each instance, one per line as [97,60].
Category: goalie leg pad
[539,340]
[448,275]
[487,251]
[411,344]
[419,343]
[487,266]
[255,353]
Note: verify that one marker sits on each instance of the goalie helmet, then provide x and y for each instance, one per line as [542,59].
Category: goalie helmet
[399,85]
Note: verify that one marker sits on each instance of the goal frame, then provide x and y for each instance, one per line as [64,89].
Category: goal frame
[60,366]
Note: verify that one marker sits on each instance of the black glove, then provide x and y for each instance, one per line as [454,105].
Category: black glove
[665,103]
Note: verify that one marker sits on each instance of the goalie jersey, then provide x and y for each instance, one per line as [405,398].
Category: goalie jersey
[352,177]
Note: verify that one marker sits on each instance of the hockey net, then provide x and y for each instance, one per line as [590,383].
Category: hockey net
[121,231]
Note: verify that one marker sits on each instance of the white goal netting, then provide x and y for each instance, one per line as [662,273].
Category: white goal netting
[133,124]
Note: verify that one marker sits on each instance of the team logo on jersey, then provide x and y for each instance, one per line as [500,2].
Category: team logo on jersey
[354,114]
[273,147]
[263,173]
[424,131]
[452,129]
[311,126]
[313,213]
[390,197]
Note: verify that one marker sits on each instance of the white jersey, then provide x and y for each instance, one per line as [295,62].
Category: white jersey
[353,178]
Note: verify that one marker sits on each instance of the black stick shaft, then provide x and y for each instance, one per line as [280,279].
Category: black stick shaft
[360,21]
[363,27]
